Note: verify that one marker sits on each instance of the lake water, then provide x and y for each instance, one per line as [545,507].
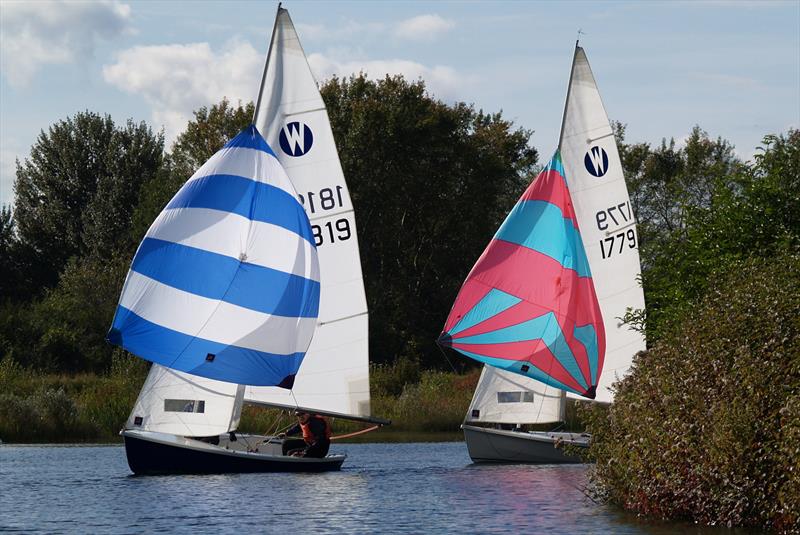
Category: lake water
[389,488]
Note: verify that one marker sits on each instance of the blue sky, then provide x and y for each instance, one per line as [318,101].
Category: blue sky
[732,67]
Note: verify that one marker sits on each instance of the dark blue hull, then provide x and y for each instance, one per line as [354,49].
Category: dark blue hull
[154,457]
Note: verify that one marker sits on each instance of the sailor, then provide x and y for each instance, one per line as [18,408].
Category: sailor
[316,433]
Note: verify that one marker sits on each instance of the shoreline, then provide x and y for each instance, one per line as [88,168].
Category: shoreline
[378,437]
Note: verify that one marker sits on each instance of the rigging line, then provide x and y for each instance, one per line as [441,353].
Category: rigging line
[274,425]
[446,358]
[355,433]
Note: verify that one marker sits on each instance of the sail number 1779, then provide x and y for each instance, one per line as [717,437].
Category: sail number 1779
[617,222]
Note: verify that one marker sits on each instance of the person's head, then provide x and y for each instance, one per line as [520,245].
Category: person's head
[302,416]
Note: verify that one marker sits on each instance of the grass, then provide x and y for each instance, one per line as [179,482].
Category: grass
[59,408]
[423,405]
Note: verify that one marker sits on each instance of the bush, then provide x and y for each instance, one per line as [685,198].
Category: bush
[707,425]
[391,379]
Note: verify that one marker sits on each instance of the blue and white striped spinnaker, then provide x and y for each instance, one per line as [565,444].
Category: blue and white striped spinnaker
[225,284]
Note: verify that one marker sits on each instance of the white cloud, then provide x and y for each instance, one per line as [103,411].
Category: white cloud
[52,32]
[423,27]
[177,79]
[444,82]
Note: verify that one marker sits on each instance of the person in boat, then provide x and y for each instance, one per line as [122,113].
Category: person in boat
[316,432]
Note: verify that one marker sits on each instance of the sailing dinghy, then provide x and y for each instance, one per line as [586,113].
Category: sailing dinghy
[542,306]
[250,271]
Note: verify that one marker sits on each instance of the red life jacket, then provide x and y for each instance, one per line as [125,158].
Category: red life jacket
[308,436]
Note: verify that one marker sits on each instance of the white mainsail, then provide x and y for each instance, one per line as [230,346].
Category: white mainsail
[189,405]
[510,398]
[291,116]
[605,216]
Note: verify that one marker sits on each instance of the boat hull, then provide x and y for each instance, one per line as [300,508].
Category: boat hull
[500,446]
[159,453]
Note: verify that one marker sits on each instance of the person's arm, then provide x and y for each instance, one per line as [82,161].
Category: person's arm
[294,430]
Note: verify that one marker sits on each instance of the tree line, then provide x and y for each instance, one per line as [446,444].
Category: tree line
[430,183]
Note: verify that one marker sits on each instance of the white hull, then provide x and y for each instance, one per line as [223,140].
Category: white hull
[500,446]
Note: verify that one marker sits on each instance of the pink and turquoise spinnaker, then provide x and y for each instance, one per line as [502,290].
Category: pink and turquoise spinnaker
[529,304]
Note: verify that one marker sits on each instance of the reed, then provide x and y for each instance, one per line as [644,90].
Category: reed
[59,408]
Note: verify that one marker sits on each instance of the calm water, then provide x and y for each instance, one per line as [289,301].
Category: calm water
[392,488]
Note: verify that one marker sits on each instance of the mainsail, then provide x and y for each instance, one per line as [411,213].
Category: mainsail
[509,398]
[225,284]
[189,405]
[334,377]
[604,213]
[529,306]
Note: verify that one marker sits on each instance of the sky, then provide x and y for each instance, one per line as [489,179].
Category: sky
[730,66]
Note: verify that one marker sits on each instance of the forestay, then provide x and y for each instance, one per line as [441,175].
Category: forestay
[510,398]
[292,115]
[605,216]
[529,306]
[225,284]
[181,404]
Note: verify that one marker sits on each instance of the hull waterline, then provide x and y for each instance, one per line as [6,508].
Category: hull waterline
[159,453]
[500,446]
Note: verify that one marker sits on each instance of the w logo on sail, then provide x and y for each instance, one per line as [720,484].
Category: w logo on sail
[296,139]
[596,161]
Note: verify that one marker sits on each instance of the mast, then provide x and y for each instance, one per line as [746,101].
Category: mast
[266,64]
[569,89]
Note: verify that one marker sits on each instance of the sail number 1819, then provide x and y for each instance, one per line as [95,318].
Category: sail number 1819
[325,199]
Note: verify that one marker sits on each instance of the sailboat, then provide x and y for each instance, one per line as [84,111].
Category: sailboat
[542,306]
[247,289]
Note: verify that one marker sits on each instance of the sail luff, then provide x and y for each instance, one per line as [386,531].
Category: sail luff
[266,64]
[569,89]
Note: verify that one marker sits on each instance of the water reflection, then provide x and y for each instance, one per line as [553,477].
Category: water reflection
[396,488]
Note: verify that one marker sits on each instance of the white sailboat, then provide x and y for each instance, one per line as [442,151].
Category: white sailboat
[593,172]
[187,412]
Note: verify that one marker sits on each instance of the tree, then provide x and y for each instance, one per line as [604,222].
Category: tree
[430,183]
[672,189]
[208,132]
[76,192]
[706,426]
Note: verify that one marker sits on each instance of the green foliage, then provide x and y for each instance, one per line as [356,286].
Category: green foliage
[700,209]
[208,132]
[706,425]
[391,379]
[55,408]
[76,192]
[438,402]
[430,183]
